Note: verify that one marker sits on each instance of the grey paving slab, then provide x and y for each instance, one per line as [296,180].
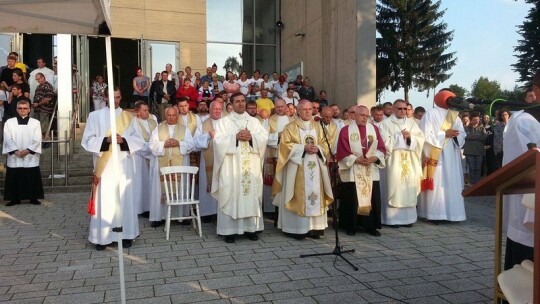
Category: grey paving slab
[45,258]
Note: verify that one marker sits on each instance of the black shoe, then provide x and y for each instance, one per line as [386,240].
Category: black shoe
[156,224]
[434,222]
[186,222]
[206,219]
[100,247]
[314,235]
[252,236]
[13,203]
[407,226]
[127,243]
[35,202]
[374,232]
[350,232]
[145,214]
[229,239]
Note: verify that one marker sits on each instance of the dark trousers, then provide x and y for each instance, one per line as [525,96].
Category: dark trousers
[348,206]
[516,253]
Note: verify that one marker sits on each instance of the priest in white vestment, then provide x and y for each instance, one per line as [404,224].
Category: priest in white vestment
[144,123]
[204,142]
[274,124]
[239,147]
[360,155]
[442,182]
[97,139]
[403,140]
[22,144]
[171,143]
[302,185]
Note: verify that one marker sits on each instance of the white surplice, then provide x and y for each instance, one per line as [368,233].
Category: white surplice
[273,140]
[207,203]
[158,209]
[16,137]
[521,129]
[445,201]
[237,177]
[141,166]
[403,170]
[97,126]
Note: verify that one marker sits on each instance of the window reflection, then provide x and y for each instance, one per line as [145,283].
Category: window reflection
[265,21]
[224,20]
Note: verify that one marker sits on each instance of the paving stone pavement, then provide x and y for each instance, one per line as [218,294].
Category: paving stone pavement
[45,258]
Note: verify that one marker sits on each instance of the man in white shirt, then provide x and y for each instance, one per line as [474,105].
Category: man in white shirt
[43,69]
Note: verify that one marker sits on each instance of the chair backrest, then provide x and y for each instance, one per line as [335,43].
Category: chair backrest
[179,182]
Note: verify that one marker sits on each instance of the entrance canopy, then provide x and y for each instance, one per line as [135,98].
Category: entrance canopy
[82,17]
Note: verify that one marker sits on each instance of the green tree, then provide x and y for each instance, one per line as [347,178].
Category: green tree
[528,48]
[486,89]
[458,90]
[411,46]
[516,94]
[232,64]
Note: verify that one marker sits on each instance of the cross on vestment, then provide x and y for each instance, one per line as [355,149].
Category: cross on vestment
[312,198]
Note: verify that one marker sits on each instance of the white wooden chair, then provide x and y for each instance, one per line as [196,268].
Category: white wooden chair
[179,184]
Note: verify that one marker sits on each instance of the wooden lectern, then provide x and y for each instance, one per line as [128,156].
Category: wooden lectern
[517,177]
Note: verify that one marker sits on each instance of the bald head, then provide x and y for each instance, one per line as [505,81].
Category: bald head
[326,115]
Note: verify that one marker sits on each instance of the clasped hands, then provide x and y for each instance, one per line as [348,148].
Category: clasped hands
[119,139]
[244,134]
[451,133]
[365,161]
[311,149]
[171,142]
[22,153]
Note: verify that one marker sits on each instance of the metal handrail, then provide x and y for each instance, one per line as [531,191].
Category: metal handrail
[58,141]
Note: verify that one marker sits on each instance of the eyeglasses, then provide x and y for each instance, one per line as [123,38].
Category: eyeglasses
[402,109]
[23,108]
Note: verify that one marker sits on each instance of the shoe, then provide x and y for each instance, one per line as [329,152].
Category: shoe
[100,247]
[145,214]
[407,226]
[35,202]
[433,222]
[156,224]
[349,232]
[13,203]
[229,239]
[127,243]
[186,222]
[374,232]
[314,235]
[252,236]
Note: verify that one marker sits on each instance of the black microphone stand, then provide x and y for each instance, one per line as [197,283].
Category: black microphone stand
[333,176]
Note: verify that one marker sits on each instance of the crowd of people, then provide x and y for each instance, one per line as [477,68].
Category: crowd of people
[268,146]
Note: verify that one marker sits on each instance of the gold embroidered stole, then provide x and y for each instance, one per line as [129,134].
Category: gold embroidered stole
[208,153]
[145,134]
[429,165]
[362,174]
[171,155]
[122,123]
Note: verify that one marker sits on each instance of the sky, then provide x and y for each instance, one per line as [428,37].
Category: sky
[485,35]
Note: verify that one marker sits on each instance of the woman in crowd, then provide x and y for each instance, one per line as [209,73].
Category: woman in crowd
[489,161]
[231,86]
[216,84]
[206,94]
[245,83]
[141,85]
[18,77]
[99,93]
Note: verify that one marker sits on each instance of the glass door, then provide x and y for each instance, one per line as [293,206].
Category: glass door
[157,54]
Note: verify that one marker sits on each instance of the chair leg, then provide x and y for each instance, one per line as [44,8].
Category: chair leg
[168,223]
[199,220]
